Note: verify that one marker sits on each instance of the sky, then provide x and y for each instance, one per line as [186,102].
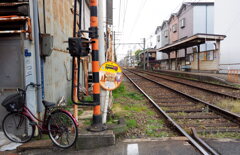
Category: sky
[134,20]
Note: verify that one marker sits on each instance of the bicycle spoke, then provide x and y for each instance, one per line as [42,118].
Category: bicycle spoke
[16,127]
[66,129]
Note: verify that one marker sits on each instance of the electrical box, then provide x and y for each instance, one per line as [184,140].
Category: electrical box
[46,45]
[78,46]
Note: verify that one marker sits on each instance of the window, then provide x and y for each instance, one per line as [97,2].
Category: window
[182,23]
[158,38]
[210,56]
[174,28]
[166,33]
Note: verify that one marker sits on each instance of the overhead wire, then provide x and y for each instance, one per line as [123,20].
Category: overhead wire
[124,15]
[119,15]
[138,16]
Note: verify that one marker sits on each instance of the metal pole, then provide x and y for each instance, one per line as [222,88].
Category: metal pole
[144,43]
[101,50]
[97,116]
[147,60]
[37,55]
[198,59]
[114,37]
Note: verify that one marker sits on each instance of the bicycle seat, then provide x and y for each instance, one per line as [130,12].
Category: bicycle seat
[48,104]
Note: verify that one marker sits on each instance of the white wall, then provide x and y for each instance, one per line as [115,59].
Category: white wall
[158,43]
[203,22]
[227,22]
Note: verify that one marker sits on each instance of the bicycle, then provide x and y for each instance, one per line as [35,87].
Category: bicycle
[20,123]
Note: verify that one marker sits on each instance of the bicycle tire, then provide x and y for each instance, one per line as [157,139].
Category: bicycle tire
[61,124]
[17,128]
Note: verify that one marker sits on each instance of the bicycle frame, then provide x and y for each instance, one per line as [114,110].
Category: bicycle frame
[43,127]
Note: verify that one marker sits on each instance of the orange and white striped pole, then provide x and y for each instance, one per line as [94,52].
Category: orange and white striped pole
[97,117]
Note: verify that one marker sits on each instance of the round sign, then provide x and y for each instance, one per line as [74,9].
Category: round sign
[110,75]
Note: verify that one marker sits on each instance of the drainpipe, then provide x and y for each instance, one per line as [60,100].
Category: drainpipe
[37,55]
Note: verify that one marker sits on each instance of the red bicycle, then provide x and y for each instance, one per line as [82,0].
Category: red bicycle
[19,125]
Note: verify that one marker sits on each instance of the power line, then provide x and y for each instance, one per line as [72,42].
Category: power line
[137,18]
[124,15]
[119,14]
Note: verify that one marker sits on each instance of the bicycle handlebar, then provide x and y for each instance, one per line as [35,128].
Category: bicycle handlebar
[30,84]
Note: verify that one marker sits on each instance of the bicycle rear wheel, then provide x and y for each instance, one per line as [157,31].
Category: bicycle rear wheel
[62,129]
[17,128]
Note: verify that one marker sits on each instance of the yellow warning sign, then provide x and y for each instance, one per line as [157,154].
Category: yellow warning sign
[110,75]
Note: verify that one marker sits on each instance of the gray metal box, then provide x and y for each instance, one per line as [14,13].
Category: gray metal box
[46,45]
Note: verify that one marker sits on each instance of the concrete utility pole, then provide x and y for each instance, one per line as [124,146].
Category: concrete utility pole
[114,37]
[144,43]
[101,49]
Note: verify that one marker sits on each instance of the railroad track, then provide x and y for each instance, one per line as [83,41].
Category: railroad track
[187,113]
[222,90]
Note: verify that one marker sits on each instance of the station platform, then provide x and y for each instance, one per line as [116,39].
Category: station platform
[202,76]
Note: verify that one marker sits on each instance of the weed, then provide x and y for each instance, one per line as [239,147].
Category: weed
[222,135]
[119,91]
[231,105]
[150,113]
[135,108]
[131,123]
[134,96]
[87,122]
[88,98]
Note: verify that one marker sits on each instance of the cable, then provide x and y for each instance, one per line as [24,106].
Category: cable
[124,15]
[119,14]
[136,19]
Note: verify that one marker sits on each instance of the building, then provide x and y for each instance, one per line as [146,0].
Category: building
[164,33]
[158,37]
[21,59]
[193,18]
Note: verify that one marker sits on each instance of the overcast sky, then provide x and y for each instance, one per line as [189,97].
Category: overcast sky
[137,19]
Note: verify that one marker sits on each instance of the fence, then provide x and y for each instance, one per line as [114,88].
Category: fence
[232,71]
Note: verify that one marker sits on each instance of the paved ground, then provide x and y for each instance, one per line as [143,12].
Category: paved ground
[130,147]
[158,146]
[6,144]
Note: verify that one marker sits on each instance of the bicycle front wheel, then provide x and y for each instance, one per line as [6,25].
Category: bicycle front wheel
[62,129]
[17,128]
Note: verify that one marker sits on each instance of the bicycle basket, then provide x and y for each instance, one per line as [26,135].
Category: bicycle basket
[13,103]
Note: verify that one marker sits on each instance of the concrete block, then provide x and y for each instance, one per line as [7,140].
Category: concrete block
[91,140]
[37,144]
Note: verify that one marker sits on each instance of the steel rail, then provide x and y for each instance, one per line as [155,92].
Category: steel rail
[181,130]
[227,114]
[211,91]
[209,148]
[214,84]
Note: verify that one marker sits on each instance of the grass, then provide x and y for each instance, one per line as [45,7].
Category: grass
[222,135]
[153,128]
[135,108]
[87,122]
[131,123]
[231,105]
[140,119]
[122,92]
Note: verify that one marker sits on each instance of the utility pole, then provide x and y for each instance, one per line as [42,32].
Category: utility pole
[144,43]
[101,50]
[114,37]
